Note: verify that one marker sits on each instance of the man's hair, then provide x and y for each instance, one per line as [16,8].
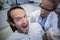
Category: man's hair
[10,19]
[54,1]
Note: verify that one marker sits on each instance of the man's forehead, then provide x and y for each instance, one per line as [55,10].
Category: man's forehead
[17,12]
[19,15]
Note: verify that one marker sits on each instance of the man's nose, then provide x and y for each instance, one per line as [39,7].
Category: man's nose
[42,11]
[24,20]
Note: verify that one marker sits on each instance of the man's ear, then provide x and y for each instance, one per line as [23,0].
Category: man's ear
[12,24]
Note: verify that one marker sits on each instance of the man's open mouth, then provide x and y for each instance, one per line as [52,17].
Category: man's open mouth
[24,26]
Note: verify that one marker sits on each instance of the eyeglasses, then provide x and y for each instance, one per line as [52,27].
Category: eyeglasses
[45,8]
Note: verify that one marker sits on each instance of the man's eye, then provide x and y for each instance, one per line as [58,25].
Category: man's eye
[18,19]
[25,16]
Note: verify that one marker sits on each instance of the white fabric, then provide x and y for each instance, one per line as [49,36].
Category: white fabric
[51,22]
[35,33]
[18,36]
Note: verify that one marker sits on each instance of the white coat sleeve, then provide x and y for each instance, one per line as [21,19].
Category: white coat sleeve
[54,23]
[34,16]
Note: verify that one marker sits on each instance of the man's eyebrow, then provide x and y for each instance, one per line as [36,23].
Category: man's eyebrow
[17,17]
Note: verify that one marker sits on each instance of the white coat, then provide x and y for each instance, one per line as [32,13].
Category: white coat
[51,24]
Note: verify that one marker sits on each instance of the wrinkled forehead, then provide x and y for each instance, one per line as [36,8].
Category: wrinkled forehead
[17,13]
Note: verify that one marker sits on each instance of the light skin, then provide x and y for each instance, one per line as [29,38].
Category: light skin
[20,20]
[48,5]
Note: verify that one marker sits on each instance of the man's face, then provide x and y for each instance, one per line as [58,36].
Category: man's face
[20,20]
[46,5]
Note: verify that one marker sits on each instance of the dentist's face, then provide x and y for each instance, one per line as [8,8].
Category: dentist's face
[20,20]
[45,7]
